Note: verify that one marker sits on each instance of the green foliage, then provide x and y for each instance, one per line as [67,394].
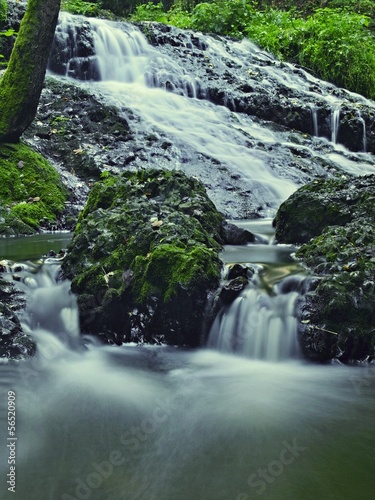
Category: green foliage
[223,17]
[308,7]
[81,7]
[150,12]
[177,15]
[3,10]
[29,185]
[339,47]
[279,32]
[360,6]
[335,43]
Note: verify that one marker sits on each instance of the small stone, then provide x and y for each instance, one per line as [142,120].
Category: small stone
[232,289]
[20,164]
[156,224]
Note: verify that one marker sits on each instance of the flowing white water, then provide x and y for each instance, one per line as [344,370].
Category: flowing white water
[314,114]
[258,326]
[157,95]
[134,423]
[262,321]
[335,123]
[364,137]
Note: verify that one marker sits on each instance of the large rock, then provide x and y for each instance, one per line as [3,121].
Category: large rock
[324,203]
[338,316]
[144,258]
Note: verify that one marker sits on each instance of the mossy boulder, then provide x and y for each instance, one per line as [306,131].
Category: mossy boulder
[144,258]
[31,192]
[324,203]
[338,315]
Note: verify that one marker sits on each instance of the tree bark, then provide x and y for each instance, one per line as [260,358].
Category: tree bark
[22,83]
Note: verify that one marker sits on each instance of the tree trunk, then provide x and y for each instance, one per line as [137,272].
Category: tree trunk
[22,83]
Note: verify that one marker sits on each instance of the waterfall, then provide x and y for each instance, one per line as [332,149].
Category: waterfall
[335,123]
[364,136]
[314,115]
[121,54]
[261,324]
[51,316]
[247,165]
[262,321]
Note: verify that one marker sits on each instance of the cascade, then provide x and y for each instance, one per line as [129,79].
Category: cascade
[103,419]
[314,115]
[364,136]
[172,102]
[258,325]
[261,323]
[335,123]
[51,316]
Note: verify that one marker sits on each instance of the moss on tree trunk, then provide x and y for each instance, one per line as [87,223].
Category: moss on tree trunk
[22,83]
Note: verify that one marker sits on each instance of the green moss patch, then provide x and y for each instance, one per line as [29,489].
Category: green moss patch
[168,267]
[31,191]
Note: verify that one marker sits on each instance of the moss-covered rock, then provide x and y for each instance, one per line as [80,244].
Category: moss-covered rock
[31,192]
[338,316]
[324,203]
[144,257]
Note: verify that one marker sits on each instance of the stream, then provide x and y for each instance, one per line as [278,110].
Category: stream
[244,417]
[164,423]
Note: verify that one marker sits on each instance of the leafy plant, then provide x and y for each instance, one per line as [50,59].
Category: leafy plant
[81,7]
[223,17]
[7,33]
[339,47]
[279,32]
[150,12]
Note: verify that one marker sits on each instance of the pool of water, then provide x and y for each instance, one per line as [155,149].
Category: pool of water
[33,247]
[161,423]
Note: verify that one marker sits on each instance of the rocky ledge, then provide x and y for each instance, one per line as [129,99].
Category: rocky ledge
[334,220]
